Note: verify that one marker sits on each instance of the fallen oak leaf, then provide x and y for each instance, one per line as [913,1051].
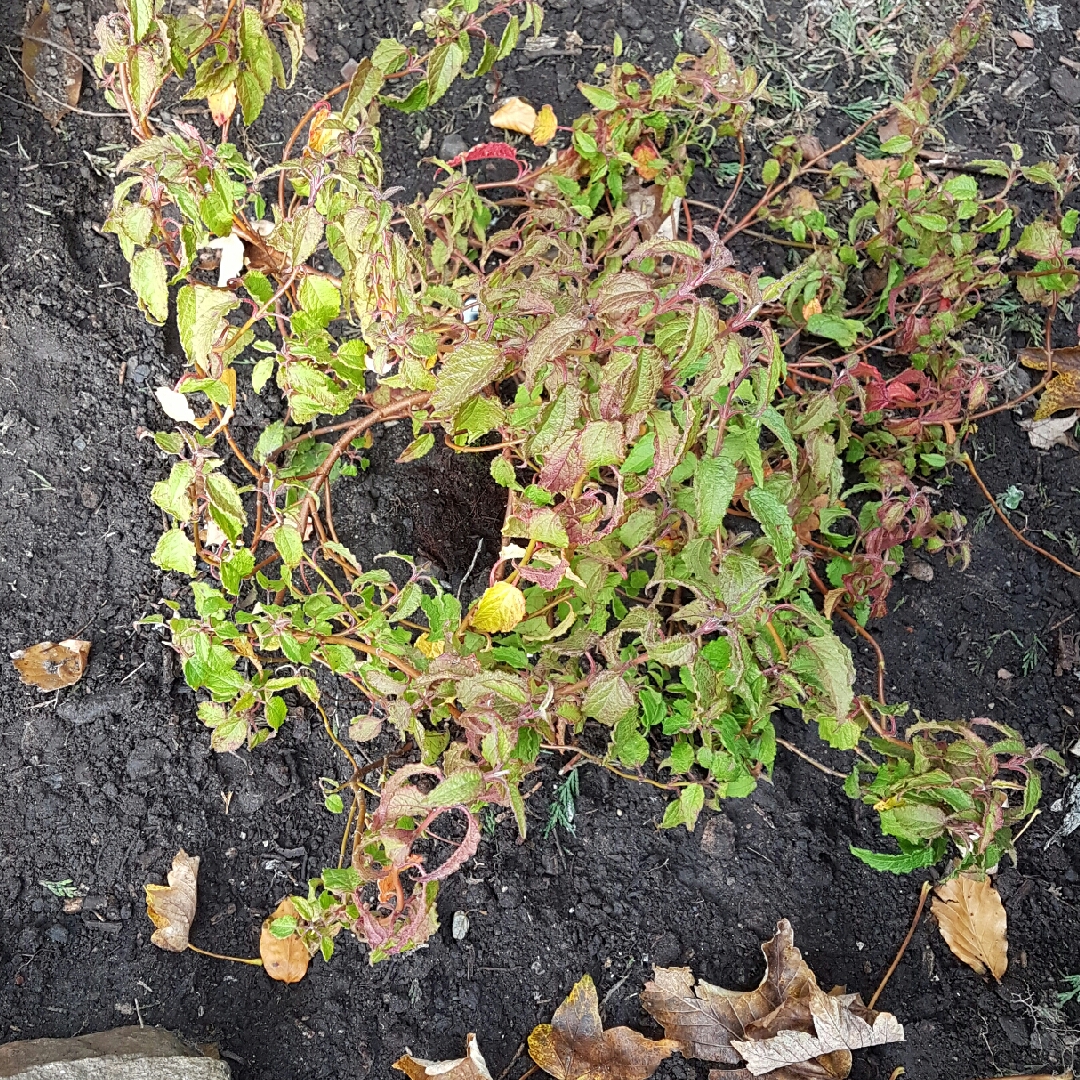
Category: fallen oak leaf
[50,66]
[973,922]
[575,1046]
[50,666]
[171,907]
[284,958]
[471,1067]
[841,1024]
[704,1018]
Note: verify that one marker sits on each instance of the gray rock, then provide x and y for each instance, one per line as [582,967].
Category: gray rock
[451,146]
[1065,85]
[127,1053]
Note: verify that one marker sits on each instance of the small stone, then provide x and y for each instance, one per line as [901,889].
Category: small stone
[58,934]
[1065,85]
[1004,674]
[461,925]
[920,571]
[452,145]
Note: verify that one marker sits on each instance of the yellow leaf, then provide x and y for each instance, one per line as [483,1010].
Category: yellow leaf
[172,907]
[222,104]
[426,647]
[972,921]
[500,609]
[515,115]
[544,129]
[49,666]
[285,959]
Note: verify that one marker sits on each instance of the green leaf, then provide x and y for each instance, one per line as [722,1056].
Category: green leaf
[389,55]
[896,864]
[284,927]
[844,332]
[172,494]
[641,456]
[235,568]
[509,38]
[229,735]
[175,551]
[775,521]
[609,698]
[149,283]
[598,97]
[714,485]
[298,237]
[420,446]
[443,68]
[935,223]
[142,14]
[503,473]
[913,822]
[261,372]
[342,880]
[630,746]
[691,800]
[225,505]
[289,545]
[320,299]
[898,144]
[200,319]
[466,371]
[770,171]
[458,789]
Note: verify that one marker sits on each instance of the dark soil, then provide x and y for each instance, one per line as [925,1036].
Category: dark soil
[104,782]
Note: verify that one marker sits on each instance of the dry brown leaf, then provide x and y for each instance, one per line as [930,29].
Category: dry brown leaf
[1051,431]
[973,923]
[547,123]
[787,1028]
[471,1067]
[1022,40]
[50,66]
[575,1046]
[1063,390]
[704,1018]
[838,1028]
[876,170]
[49,666]
[285,959]
[172,907]
[515,115]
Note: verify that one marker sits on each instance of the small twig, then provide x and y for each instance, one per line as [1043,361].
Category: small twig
[923,893]
[476,555]
[1027,825]
[966,459]
[253,961]
[520,1051]
[807,758]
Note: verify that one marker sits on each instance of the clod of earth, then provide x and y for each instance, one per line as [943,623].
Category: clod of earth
[973,923]
[50,666]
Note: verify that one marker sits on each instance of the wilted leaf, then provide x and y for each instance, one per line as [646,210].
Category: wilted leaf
[1063,390]
[222,104]
[471,1067]
[704,1018]
[575,1046]
[515,115]
[172,907]
[500,609]
[49,666]
[838,1028]
[547,123]
[284,958]
[175,405]
[50,66]
[787,1029]
[973,923]
[1051,431]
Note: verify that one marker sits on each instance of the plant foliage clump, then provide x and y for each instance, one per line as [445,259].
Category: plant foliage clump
[688,445]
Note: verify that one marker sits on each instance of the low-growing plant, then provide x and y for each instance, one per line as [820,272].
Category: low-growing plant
[683,440]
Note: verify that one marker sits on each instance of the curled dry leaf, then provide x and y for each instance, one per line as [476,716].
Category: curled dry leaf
[50,66]
[231,266]
[172,907]
[575,1046]
[973,923]
[285,959]
[50,666]
[1051,431]
[877,170]
[1063,390]
[1022,40]
[787,1028]
[471,1067]
[175,405]
[515,115]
